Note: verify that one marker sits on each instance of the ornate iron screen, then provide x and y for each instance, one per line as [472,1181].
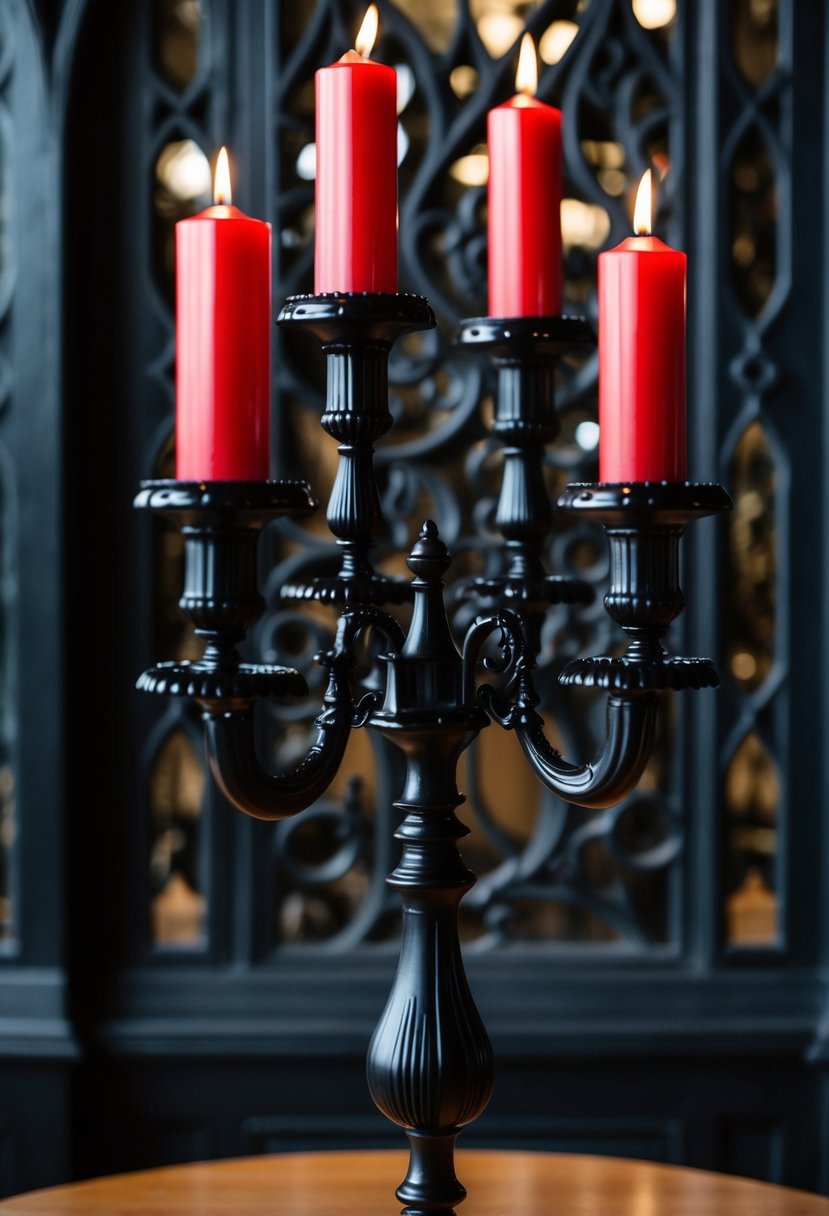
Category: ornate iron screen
[549,873]
[687,923]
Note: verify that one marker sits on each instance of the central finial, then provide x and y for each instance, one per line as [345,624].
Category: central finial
[429,558]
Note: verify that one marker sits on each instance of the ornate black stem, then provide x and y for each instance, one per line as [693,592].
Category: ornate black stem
[356,331]
[525,351]
[430,1062]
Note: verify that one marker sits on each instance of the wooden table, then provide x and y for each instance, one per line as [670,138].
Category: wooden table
[362,1184]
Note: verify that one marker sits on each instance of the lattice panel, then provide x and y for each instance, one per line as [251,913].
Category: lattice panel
[548,872]
[754,162]
[182,72]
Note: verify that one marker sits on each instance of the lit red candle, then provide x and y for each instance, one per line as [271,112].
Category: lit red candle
[223,324]
[524,134]
[356,189]
[642,428]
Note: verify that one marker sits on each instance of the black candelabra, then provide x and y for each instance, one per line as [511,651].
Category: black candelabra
[430,1061]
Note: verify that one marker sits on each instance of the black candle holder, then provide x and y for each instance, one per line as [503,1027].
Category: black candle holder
[357,331]
[430,1062]
[644,522]
[221,522]
[526,351]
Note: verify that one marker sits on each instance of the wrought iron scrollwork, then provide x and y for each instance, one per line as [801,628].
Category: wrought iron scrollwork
[618,85]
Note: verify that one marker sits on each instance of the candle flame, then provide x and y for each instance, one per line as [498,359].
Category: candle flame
[221,180]
[526,74]
[367,35]
[643,210]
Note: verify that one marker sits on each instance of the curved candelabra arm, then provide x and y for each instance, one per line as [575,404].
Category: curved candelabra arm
[231,751]
[231,737]
[221,522]
[631,720]
[644,523]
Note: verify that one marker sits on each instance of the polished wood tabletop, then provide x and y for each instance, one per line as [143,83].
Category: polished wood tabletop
[362,1184]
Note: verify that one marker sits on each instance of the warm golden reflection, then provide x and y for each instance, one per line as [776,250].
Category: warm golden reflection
[583,225]
[751,585]
[472,170]
[183,187]
[435,20]
[499,24]
[754,33]
[753,222]
[654,14]
[607,158]
[177,914]
[177,782]
[463,80]
[184,171]
[752,802]
[752,913]
[556,40]
[604,153]
[178,28]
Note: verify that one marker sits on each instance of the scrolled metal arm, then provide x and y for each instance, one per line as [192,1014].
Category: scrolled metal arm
[231,752]
[631,721]
[230,734]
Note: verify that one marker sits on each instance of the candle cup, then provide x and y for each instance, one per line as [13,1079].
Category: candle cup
[356,332]
[644,522]
[221,522]
[525,351]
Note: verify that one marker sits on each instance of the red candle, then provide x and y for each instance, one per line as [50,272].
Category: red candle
[223,333]
[356,191]
[525,200]
[642,356]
